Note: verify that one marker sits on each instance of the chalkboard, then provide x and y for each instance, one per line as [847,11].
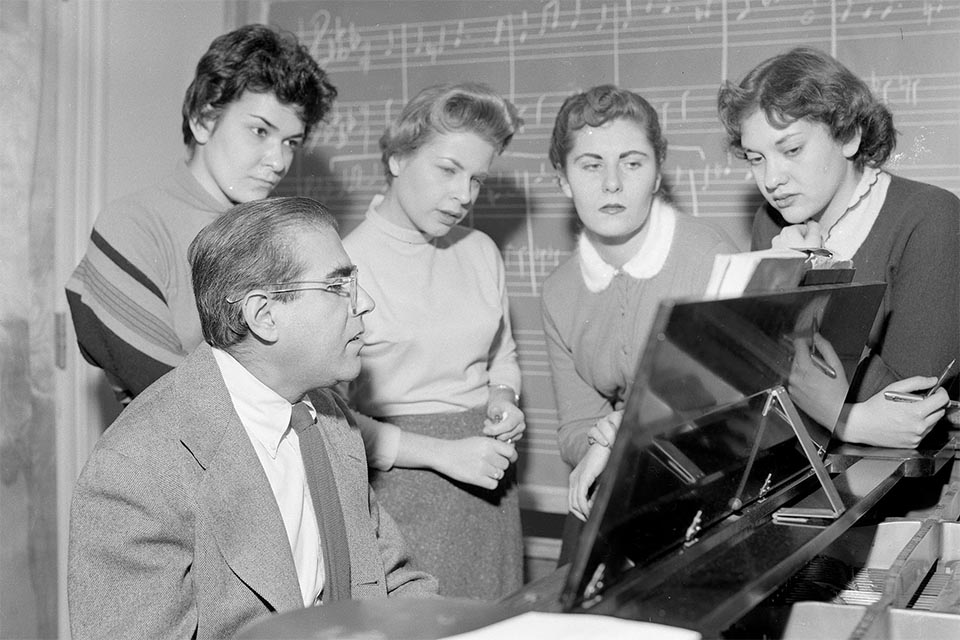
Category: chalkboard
[536,52]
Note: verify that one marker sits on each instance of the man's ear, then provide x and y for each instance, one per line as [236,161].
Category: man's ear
[258,310]
[202,126]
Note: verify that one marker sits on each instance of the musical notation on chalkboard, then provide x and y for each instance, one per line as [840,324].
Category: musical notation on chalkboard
[675,53]
[543,30]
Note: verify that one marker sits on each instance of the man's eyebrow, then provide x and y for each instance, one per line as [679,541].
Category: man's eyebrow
[342,272]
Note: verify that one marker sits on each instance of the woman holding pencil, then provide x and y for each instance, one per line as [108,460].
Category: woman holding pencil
[816,140]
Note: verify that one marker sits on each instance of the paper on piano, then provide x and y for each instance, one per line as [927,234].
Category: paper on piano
[737,273]
[770,270]
[575,626]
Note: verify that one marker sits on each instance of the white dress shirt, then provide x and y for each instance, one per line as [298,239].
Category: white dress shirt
[266,418]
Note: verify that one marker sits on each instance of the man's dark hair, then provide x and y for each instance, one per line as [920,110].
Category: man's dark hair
[249,246]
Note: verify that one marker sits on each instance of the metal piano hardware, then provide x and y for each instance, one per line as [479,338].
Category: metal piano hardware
[595,586]
[806,514]
[690,536]
[765,489]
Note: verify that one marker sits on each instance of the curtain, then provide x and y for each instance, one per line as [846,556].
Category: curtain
[28,501]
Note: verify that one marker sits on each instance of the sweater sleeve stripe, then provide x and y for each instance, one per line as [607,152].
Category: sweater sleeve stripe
[125,265]
[129,370]
[138,320]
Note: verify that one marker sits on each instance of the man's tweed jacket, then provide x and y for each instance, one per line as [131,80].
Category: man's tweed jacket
[175,532]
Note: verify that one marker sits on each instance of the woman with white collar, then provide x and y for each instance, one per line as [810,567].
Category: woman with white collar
[816,139]
[635,250]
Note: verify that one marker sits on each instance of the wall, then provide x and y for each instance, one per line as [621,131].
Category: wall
[123,68]
[152,50]
[143,55]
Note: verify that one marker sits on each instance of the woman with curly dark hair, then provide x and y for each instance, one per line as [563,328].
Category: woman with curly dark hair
[816,139]
[254,98]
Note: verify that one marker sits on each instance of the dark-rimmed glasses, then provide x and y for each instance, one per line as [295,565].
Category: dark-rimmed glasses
[343,286]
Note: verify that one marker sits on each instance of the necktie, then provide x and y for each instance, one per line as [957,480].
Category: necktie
[326,504]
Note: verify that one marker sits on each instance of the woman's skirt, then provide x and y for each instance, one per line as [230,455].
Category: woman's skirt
[468,537]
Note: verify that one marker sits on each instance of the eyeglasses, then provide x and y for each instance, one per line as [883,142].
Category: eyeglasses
[343,286]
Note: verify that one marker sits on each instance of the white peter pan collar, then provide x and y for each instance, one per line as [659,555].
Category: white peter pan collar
[848,233]
[649,259]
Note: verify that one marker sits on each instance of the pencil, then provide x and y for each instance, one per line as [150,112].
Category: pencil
[943,376]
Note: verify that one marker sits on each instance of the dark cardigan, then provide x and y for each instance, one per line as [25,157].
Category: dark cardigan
[914,246]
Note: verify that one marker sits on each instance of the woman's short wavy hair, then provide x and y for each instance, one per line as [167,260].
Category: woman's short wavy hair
[805,83]
[599,105]
[449,108]
[259,59]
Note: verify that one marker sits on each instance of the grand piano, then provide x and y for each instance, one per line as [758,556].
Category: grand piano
[726,507]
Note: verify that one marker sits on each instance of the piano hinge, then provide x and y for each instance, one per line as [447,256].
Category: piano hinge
[690,537]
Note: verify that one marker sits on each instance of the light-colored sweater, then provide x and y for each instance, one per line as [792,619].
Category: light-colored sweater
[596,336]
[440,332]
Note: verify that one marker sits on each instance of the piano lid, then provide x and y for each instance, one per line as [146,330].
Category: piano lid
[700,438]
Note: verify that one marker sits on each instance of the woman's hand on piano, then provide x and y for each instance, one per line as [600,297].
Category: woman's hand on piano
[604,432]
[584,477]
[880,422]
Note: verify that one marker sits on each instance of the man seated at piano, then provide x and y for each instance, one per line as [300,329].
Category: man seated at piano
[236,486]
[634,250]
[816,139]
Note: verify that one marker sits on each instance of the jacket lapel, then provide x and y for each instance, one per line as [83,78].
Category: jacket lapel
[233,488]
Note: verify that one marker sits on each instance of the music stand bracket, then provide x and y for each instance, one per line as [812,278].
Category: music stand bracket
[779,401]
